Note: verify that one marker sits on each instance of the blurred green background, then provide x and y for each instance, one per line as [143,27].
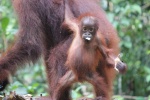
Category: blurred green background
[131,18]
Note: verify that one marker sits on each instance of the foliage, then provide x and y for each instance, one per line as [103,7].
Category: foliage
[132,21]
[131,18]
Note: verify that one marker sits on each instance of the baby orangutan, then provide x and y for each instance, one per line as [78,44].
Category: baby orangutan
[87,49]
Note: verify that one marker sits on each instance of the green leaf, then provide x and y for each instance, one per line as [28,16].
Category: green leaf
[4,23]
[75,94]
[148,52]
[148,78]
[149,97]
[136,8]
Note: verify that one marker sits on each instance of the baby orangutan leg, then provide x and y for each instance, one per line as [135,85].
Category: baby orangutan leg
[63,89]
[100,86]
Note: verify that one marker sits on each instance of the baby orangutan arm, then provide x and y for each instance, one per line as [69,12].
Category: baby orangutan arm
[111,59]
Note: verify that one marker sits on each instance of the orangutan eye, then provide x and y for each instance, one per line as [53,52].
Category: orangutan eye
[91,29]
[84,29]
